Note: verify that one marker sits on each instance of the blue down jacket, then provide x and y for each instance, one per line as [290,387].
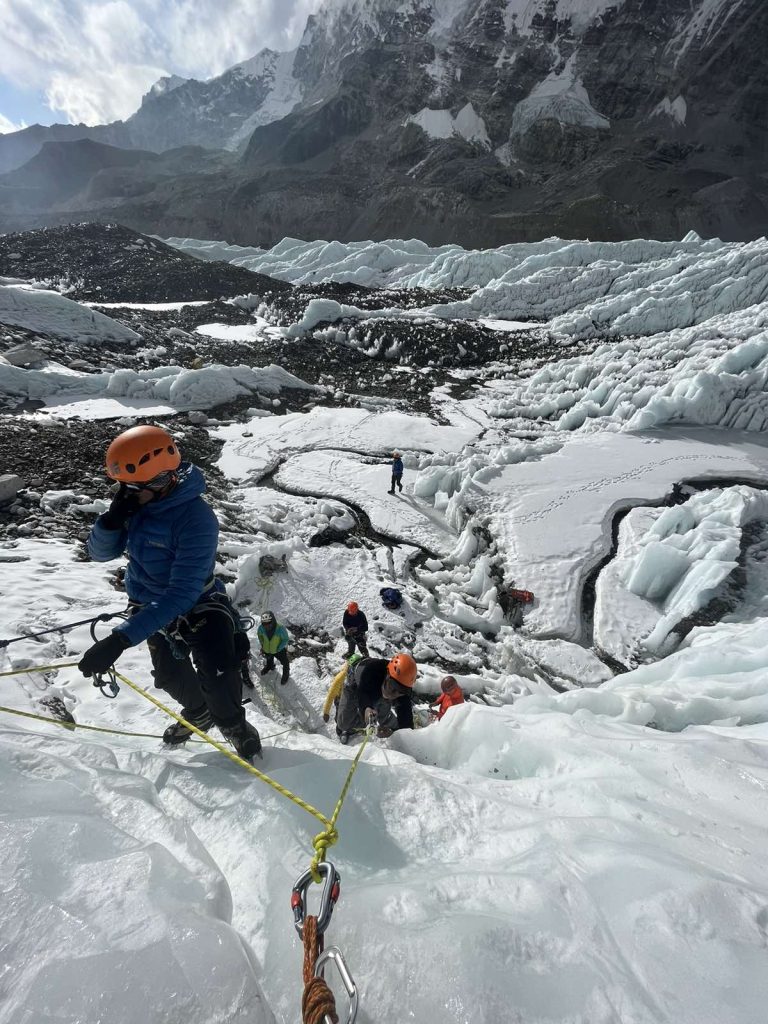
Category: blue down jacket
[171,548]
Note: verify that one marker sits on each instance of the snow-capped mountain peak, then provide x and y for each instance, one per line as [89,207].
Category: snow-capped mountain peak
[165,85]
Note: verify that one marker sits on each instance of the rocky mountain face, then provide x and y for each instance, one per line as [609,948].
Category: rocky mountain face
[218,114]
[477,121]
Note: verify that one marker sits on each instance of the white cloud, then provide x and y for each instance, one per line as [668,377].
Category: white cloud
[94,59]
[6,125]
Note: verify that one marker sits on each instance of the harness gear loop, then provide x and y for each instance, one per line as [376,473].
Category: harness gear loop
[318,1005]
[329,896]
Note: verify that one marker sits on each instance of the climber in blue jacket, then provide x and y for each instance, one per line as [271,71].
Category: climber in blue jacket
[169,532]
[397,472]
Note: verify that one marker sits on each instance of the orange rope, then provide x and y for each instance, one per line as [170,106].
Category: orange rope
[317,1002]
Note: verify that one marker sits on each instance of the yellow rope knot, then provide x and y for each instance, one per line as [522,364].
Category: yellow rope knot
[321,842]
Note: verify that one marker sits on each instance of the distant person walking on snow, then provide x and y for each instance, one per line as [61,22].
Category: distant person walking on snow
[450,696]
[397,472]
[355,628]
[160,519]
[274,644]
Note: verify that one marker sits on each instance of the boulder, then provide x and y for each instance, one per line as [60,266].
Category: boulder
[24,355]
[10,485]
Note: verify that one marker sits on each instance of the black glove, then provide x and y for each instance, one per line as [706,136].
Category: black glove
[104,653]
[326,718]
[123,505]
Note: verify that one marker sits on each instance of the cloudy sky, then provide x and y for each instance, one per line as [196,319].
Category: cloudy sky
[92,60]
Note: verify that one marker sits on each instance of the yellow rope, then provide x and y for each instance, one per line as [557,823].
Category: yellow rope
[328,837]
[323,840]
[40,668]
[77,725]
[102,728]
[228,753]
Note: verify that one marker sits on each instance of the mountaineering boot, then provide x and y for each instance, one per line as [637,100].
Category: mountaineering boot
[285,676]
[245,675]
[245,739]
[178,733]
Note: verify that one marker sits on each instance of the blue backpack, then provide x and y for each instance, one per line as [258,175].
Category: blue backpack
[391,597]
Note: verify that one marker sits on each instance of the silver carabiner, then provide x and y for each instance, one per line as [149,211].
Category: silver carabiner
[334,955]
[330,893]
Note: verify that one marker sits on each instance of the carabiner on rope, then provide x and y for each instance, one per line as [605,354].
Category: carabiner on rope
[372,725]
[328,898]
[110,683]
[334,955]
[105,617]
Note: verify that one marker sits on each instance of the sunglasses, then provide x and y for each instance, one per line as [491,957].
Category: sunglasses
[156,484]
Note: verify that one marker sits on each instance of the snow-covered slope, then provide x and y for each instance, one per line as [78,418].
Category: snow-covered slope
[575,844]
[49,312]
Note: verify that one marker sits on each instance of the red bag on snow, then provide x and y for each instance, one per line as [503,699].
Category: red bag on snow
[523,596]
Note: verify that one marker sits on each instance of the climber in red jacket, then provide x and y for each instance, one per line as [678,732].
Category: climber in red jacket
[451,695]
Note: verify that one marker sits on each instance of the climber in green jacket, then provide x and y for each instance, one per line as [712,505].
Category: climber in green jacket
[274,644]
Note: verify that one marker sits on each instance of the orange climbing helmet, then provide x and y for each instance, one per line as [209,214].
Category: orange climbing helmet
[142,453]
[353,607]
[403,669]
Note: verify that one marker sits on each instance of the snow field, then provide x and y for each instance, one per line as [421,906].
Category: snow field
[551,515]
[595,855]
[258,445]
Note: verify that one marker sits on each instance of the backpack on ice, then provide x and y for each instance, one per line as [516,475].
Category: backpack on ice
[391,597]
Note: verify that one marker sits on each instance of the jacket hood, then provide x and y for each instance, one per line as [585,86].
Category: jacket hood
[190,486]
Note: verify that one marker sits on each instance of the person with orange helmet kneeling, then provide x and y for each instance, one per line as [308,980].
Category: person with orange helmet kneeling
[169,532]
[377,692]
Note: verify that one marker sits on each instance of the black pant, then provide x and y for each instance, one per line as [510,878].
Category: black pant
[213,680]
[357,640]
[396,480]
[282,657]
